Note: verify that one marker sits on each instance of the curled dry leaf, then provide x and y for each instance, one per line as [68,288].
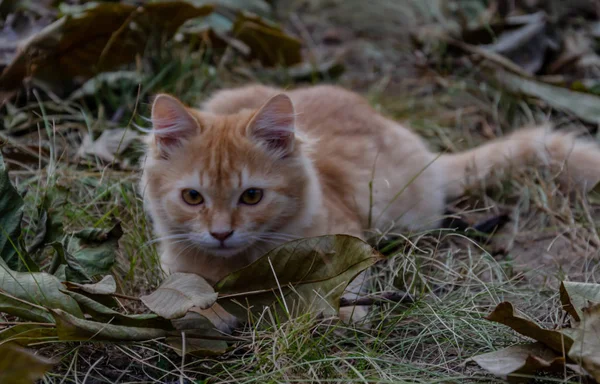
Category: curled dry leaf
[100,312]
[21,366]
[311,273]
[577,296]
[523,359]
[586,347]
[178,293]
[71,328]
[106,286]
[505,314]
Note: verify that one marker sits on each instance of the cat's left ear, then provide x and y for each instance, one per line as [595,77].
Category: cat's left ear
[273,125]
[171,122]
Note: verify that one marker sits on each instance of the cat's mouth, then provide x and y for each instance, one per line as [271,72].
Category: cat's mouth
[225,250]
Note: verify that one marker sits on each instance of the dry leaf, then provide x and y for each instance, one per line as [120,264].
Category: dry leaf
[504,314]
[586,347]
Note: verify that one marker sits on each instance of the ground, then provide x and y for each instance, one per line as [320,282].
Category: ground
[455,280]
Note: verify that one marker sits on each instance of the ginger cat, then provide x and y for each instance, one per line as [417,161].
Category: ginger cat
[257,166]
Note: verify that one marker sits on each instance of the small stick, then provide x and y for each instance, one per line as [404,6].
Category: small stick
[396,297]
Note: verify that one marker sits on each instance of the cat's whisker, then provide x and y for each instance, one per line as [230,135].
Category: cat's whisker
[168,237]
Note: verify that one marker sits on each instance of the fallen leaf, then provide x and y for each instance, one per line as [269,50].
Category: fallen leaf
[95,249]
[21,366]
[27,333]
[11,213]
[505,314]
[526,46]
[23,309]
[316,271]
[66,267]
[106,286]
[95,38]
[100,312]
[178,293]
[40,289]
[516,360]
[111,142]
[267,42]
[577,296]
[71,328]
[194,326]
[583,105]
[586,347]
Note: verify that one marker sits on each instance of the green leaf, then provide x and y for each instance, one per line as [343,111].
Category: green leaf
[583,105]
[520,360]
[178,293]
[21,366]
[316,271]
[38,289]
[65,266]
[556,340]
[23,309]
[267,42]
[95,249]
[586,348]
[28,333]
[11,213]
[100,312]
[95,38]
[577,296]
[71,328]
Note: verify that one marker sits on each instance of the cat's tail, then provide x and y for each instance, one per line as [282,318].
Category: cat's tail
[576,161]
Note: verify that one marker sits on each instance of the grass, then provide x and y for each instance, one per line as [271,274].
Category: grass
[456,281]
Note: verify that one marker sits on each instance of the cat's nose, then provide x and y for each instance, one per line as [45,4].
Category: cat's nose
[221,236]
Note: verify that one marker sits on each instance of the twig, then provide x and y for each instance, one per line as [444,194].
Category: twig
[396,297]
[121,296]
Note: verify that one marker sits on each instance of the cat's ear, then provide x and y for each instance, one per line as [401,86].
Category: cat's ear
[273,125]
[171,122]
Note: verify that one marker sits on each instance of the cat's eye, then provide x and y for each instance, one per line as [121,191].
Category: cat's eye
[192,197]
[251,196]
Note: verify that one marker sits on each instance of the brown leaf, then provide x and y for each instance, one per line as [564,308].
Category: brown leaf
[21,366]
[267,42]
[577,296]
[586,348]
[504,314]
[97,39]
[311,273]
[523,359]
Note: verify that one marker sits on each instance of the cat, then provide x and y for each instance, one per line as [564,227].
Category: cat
[257,166]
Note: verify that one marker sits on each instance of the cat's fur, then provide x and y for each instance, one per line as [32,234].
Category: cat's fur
[314,151]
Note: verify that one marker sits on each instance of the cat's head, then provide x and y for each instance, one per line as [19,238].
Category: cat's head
[222,183]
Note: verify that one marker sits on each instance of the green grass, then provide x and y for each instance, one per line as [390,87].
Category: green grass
[455,280]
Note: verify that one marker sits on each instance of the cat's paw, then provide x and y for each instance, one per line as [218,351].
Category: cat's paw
[354,315]
[219,317]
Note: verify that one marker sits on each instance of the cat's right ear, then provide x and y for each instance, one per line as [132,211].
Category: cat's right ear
[171,122]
